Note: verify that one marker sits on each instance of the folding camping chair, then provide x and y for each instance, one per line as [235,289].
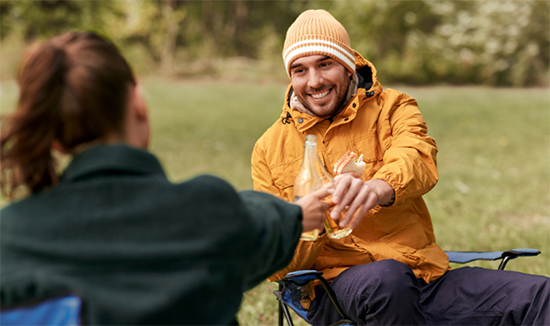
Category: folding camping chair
[290,285]
[65,310]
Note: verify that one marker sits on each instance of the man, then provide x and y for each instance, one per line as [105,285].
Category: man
[389,271]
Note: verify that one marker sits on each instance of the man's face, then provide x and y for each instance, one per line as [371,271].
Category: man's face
[320,83]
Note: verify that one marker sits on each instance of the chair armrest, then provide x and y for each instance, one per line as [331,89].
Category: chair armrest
[526,252]
[301,277]
[463,257]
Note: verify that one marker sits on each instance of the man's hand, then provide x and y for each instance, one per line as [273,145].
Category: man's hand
[313,210]
[358,197]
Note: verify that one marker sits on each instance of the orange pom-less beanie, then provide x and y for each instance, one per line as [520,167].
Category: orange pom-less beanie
[318,32]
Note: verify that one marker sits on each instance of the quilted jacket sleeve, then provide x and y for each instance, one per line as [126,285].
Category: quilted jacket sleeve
[410,154]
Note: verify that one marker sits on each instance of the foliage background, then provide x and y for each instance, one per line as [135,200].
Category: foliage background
[213,77]
[490,42]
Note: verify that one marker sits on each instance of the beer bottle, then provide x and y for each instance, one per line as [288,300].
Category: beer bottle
[307,180]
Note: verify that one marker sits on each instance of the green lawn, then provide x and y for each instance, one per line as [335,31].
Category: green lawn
[494,159]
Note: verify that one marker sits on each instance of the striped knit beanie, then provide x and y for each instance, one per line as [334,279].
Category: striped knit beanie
[317,32]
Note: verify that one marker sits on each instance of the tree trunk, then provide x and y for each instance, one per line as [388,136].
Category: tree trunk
[172,27]
[241,11]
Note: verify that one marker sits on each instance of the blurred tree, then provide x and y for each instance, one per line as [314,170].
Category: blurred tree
[6,18]
[155,24]
[539,32]
[44,18]
[237,28]
[501,43]
[172,18]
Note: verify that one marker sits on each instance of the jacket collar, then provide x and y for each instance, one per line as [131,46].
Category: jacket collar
[117,158]
[368,86]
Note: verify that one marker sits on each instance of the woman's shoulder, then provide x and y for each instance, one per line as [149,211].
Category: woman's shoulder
[207,187]
[207,181]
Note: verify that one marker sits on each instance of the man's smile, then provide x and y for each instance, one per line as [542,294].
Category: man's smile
[320,95]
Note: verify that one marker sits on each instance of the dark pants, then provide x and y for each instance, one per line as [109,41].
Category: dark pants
[388,293]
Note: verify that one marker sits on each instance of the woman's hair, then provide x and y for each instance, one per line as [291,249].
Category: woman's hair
[74,89]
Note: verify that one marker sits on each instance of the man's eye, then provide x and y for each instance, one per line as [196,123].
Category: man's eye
[325,64]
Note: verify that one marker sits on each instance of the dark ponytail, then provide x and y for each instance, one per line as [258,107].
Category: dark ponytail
[73,90]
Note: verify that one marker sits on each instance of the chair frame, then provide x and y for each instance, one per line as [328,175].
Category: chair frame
[306,276]
[309,275]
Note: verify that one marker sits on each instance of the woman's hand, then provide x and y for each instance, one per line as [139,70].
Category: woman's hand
[358,197]
[313,209]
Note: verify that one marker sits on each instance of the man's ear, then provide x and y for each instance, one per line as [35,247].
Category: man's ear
[56,146]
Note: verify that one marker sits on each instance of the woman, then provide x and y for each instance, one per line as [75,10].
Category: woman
[112,228]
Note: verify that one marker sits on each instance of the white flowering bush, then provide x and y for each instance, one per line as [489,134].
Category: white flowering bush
[499,43]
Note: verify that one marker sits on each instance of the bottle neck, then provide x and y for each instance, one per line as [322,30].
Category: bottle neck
[310,152]
[310,155]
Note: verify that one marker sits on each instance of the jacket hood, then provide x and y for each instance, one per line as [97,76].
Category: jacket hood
[368,86]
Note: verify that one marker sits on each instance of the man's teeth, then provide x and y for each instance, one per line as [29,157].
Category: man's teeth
[320,95]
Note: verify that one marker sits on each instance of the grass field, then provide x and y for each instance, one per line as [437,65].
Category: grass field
[494,159]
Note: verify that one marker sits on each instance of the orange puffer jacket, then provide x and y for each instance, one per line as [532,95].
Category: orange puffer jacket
[387,127]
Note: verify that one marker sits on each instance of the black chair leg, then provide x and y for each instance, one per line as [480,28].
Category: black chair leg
[283,309]
[332,297]
[280,314]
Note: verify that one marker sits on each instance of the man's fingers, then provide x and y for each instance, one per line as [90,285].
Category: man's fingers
[353,191]
[342,184]
[322,193]
[358,212]
[349,214]
[359,216]
[356,216]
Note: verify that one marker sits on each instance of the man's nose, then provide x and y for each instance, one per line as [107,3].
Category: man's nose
[316,79]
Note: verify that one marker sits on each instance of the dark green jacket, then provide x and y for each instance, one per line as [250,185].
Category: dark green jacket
[139,249]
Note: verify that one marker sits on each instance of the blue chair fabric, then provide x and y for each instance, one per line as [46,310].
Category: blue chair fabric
[290,285]
[54,311]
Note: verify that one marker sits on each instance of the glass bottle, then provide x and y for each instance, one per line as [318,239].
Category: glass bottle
[307,180]
[334,231]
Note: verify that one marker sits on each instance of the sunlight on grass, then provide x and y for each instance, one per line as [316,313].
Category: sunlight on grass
[494,159]
[209,127]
